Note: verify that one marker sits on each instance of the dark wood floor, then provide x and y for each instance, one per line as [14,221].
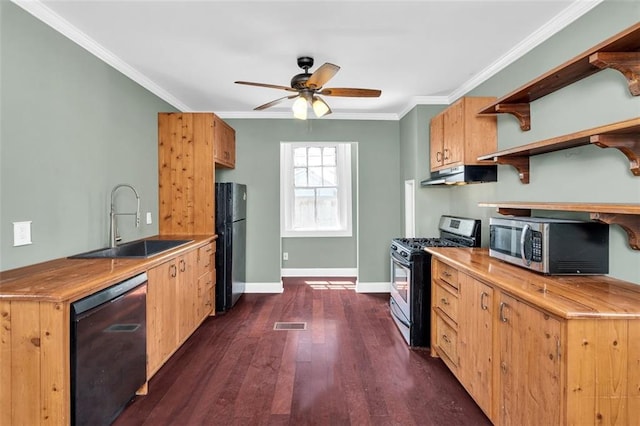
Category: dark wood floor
[350,367]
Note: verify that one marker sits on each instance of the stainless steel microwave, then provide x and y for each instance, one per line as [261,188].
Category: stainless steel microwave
[551,246]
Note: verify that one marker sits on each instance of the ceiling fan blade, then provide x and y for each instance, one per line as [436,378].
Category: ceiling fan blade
[272,103]
[271,86]
[322,75]
[351,92]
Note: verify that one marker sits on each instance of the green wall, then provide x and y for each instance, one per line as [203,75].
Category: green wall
[258,166]
[586,174]
[72,127]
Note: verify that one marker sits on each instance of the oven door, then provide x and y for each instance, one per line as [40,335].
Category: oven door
[401,283]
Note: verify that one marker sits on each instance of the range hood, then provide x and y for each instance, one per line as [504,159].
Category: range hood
[461,175]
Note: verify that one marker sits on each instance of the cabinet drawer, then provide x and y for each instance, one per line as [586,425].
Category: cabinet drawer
[205,259]
[447,274]
[206,293]
[447,302]
[447,339]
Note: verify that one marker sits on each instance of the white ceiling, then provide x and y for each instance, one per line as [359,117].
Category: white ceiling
[417,52]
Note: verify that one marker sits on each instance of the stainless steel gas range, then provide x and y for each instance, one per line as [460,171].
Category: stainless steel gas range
[410,302]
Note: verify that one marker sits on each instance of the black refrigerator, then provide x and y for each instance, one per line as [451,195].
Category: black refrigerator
[231,227]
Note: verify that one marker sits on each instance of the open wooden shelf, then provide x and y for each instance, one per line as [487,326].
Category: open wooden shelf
[620,52]
[626,216]
[623,135]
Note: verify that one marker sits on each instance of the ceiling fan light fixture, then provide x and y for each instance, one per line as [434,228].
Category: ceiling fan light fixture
[320,107]
[299,108]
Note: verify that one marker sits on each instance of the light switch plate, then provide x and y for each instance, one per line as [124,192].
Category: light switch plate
[21,233]
[149,220]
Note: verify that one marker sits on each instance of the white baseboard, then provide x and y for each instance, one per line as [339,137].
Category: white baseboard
[264,287]
[319,272]
[277,287]
[371,287]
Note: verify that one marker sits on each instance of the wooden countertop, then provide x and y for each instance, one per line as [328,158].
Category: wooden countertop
[568,296]
[67,280]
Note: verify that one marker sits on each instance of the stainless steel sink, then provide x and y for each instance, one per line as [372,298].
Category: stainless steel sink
[134,249]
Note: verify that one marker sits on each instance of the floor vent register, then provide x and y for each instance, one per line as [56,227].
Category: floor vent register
[290,326]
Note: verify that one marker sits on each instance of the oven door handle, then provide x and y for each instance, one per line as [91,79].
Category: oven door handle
[393,307]
[402,261]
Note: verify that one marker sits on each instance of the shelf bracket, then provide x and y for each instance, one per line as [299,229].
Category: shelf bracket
[520,111]
[520,163]
[628,63]
[629,222]
[628,144]
[514,211]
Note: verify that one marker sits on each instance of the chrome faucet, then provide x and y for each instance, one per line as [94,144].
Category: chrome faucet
[113,226]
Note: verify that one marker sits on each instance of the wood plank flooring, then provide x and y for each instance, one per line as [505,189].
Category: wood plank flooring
[349,367]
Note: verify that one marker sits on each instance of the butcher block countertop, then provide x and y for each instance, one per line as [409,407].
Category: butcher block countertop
[67,280]
[568,296]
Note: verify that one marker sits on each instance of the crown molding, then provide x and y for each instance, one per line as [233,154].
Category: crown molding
[289,116]
[64,27]
[424,100]
[574,11]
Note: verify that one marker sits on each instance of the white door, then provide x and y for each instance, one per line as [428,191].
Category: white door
[409,208]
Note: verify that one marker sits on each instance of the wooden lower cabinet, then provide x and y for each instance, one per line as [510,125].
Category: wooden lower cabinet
[206,277]
[475,339]
[530,370]
[176,303]
[526,366]
[162,315]
[35,331]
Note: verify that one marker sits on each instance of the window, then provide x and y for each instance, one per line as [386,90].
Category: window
[315,186]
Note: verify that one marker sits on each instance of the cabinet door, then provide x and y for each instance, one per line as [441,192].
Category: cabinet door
[454,134]
[162,337]
[530,366]
[436,141]
[225,144]
[186,173]
[187,295]
[475,340]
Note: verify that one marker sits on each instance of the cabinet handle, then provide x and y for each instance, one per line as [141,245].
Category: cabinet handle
[444,301]
[446,274]
[438,156]
[558,353]
[446,157]
[182,265]
[502,306]
[446,338]
[173,271]
[483,305]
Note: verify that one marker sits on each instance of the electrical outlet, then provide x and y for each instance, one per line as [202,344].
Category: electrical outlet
[285,256]
[149,220]
[21,233]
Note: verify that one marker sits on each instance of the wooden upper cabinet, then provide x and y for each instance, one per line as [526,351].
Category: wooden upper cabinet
[436,146]
[187,143]
[459,136]
[224,152]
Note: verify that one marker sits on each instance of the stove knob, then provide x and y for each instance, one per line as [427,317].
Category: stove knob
[404,254]
[394,247]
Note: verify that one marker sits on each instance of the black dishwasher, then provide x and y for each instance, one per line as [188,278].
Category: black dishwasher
[108,351]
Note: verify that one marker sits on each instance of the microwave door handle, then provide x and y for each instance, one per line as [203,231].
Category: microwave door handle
[523,239]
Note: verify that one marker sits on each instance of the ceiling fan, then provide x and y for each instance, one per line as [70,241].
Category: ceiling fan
[309,87]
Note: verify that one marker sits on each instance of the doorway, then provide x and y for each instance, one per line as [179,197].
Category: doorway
[410,208]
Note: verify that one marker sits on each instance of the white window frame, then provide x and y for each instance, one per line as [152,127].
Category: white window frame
[343,165]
